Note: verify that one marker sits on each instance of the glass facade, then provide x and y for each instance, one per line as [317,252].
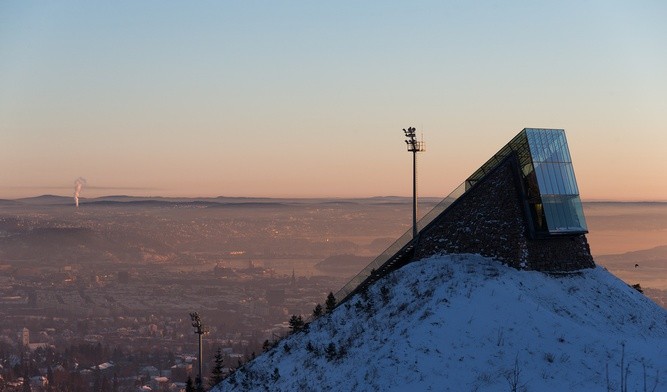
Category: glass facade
[549,185]
[556,182]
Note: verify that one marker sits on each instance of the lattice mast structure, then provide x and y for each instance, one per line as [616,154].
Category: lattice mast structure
[414,146]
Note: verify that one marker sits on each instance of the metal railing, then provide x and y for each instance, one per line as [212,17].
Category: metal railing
[399,244]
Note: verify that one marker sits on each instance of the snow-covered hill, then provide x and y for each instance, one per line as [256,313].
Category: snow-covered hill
[468,323]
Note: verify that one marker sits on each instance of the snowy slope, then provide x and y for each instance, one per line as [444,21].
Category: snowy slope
[468,323]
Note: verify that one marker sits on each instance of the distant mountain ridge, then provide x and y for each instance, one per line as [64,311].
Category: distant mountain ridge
[468,323]
[59,199]
[220,201]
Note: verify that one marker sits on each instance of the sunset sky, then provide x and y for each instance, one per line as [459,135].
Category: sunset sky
[304,98]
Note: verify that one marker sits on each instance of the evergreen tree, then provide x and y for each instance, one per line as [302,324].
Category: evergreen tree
[200,384]
[296,323]
[114,384]
[49,375]
[189,385]
[266,345]
[216,374]
[105,386]
[331,351]
[330,304]
[26,383]
[97,382]
[317,312]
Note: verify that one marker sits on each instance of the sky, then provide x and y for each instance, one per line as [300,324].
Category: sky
[309,99]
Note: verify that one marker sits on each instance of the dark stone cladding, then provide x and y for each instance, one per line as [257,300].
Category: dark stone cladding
[489,220]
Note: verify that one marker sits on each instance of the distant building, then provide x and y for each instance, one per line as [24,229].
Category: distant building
[181,371]
[150,371]
[34,346]
[38,382]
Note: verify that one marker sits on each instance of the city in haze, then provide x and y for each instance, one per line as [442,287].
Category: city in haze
[243,160]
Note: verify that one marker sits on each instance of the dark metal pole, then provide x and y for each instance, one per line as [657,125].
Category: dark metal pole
[199,330]
[201,380]
[414,194]
[414,146]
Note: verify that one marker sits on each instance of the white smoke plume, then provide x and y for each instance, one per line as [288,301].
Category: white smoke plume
[78,184]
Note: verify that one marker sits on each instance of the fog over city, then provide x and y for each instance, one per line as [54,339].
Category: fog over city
[122,273]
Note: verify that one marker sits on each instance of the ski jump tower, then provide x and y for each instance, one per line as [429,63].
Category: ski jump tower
[521,207]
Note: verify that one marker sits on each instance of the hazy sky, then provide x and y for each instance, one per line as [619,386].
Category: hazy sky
[305,98]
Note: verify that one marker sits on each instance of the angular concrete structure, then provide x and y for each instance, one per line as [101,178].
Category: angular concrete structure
[521,207]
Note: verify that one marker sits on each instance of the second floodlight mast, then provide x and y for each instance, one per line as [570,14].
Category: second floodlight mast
[199,330]
[414,146]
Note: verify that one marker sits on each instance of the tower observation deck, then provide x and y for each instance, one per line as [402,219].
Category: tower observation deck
[521,207]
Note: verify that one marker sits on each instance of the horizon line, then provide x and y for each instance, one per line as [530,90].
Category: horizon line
[592,200]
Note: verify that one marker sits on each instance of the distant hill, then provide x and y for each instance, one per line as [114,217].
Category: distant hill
[220,200]
[47,199]
[467,323]
[654,255]
[145,203]
[647,267]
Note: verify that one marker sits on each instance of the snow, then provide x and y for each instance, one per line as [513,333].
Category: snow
[469,323]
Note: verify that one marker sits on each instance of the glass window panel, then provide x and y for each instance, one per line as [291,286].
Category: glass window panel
[555,175]
[566,150]
[563,151]
[572,179]
[565,182]
[579,211]
[573,182]
[569,215]
[551,189]
[548,146]
[553,171]
[560,220]
[559,147]
[560,175]
[558,151]
[562,215]
[539,148]
[553,178]
[541,181]
[552,218]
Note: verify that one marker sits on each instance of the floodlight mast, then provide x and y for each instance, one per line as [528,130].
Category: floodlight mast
[199,330]
[414,146]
